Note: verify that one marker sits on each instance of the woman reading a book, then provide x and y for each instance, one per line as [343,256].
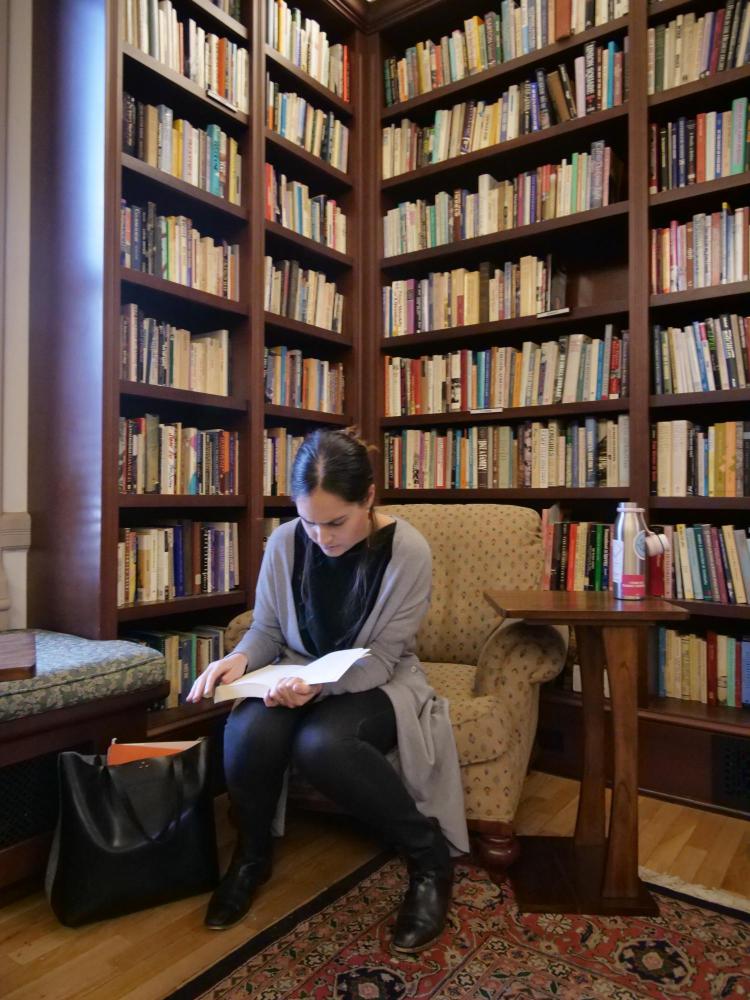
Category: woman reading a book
[342,576]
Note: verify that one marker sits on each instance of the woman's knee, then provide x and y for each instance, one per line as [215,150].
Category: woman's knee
[321,749]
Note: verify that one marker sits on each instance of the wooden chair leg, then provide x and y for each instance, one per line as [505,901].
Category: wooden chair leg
[495,847]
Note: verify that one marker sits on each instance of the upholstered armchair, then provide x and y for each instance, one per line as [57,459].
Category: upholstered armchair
[490,671]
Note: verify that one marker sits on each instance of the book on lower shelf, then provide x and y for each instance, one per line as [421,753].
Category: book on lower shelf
[711,668]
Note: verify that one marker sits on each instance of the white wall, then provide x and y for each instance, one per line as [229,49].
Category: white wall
[15,138]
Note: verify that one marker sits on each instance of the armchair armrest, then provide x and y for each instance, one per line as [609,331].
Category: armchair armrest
[531,651]
[236,629]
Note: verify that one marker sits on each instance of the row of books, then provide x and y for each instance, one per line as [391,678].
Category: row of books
[713,669]
[574,368]
[703,355]
[176,460]
[169,247]
[690,460]
[538,454]
[158,353]
[207,158]
[280,447]
[319,217]
[693,150]
[270,524]
[216,65]
[711,249]
[317,131]
[576,555]
[577,184]
[302,41]
[462,297]
[548,98]
[518,28]
[289,379]
[187,654]
[691,47]
[180,558]
[706,562]
[302,294]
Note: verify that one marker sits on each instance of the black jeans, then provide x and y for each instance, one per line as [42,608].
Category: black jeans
[339,745]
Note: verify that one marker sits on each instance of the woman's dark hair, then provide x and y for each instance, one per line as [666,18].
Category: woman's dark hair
[337,461]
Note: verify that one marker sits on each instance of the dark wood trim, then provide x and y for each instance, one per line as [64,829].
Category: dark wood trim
[308,416]
[711,609]
[717,397]
[507,414]
[305,245]
[324,168]
[509,236]
[167,182]
[735,182]
[686,90]
[178,80]
[279,502]
[138,500]
[180,605]
[143,390]
[505,71]
[173,720]
[519,324]
[182,292]
[700,503]
[709,294]
[532,139]
[306,330]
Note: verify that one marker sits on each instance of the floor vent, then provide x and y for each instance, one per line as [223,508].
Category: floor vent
[730,772]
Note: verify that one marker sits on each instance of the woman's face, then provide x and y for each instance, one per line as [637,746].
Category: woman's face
[332,523]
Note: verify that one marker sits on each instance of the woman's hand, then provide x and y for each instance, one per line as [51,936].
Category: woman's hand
[291,692]
[223,671]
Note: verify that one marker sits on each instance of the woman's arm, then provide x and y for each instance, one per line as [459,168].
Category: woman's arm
[397,631]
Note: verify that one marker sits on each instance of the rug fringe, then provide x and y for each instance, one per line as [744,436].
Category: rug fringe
[719,896]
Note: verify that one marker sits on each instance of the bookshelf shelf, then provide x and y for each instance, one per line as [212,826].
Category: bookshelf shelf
[136,500]
[719,397]
[604,493]
[501,328]
[520,234]
[303,244]
[166,182]
[712,609]
[306,331]
[312,89]
[459,164]
[181,605]
[177,720]
[180,83]
[686,91]
[222,22]
[140,390]
[658,9]
[182,292]
[279,503]
[506,71]
[510,413]
[324,170]
[307,416]
[735,182]
[710,294]
[700,503]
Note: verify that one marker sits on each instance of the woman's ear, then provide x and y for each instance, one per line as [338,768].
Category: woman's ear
[370,498]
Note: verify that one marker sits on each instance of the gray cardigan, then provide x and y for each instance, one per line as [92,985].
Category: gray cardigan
[427,756]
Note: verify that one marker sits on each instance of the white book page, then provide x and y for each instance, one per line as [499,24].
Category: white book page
[326,670]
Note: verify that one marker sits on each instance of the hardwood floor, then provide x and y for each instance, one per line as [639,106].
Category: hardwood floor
[146,955]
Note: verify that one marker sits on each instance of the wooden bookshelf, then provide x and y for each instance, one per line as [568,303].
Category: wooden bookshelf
[75,309]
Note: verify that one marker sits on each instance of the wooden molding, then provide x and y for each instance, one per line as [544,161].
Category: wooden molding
[15,530]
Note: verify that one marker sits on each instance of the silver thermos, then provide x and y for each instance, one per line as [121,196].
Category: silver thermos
[629,553]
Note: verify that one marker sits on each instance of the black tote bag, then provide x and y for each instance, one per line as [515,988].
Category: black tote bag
[132,835]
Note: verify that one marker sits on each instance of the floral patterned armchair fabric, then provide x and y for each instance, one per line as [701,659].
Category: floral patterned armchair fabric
[490,671]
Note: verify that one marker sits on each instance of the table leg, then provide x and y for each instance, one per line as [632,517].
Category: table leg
[621,870]
[590,820]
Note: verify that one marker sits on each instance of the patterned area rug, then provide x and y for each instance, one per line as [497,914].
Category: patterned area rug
[337,948]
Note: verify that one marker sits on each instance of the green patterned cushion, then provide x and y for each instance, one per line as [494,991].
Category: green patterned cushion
[71,670]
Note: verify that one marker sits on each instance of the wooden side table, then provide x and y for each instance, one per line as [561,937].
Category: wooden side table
[593,872]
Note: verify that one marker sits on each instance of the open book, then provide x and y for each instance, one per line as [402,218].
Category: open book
[326,670]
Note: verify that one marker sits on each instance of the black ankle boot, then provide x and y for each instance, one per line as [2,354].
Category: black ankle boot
[233,895]
[423,912]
